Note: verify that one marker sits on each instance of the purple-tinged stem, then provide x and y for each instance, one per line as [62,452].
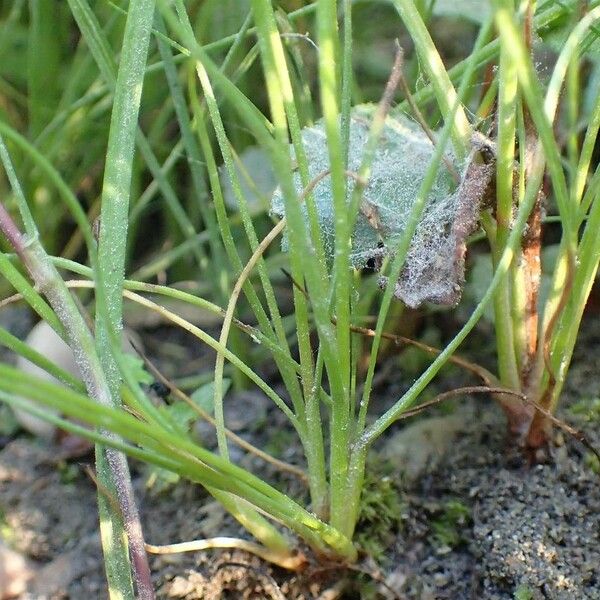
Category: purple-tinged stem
[11,231]
[51,285]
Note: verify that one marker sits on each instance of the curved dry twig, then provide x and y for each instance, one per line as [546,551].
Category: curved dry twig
[292,563]
[562,425]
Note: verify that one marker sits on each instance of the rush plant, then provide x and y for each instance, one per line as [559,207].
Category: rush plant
[536,330]
[340,207]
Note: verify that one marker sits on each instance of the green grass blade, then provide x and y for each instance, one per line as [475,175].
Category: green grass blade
[31,296]
[438,76]
[112,246]
[44,61]
[94,37]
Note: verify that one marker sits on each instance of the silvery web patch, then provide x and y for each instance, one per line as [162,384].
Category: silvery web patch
[434,265]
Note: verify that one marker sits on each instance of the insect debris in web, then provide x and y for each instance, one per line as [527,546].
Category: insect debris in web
[434,269]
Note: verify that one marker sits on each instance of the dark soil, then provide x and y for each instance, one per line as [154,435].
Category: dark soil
[475,520]
[532,530]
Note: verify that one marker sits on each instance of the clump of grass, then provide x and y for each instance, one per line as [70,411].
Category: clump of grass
[536,334]
[315,344]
